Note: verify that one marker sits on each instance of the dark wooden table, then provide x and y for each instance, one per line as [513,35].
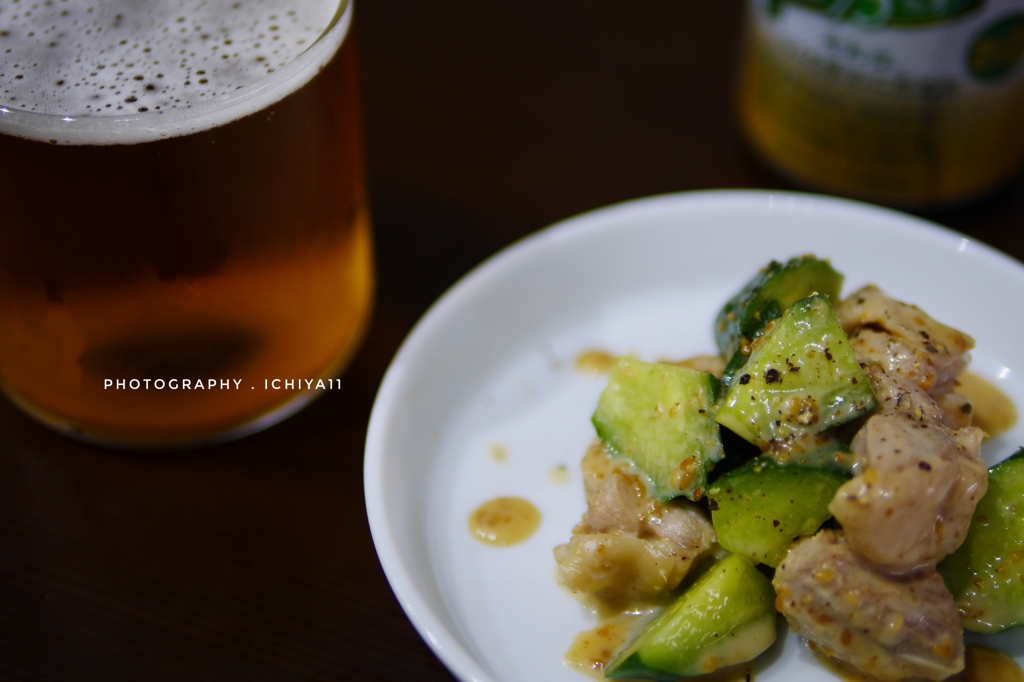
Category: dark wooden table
[253,561]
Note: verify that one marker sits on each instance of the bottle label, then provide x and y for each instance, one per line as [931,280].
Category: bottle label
[922,99]
[950,44]
[878,13]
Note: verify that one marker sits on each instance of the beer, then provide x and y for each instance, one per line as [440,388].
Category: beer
[915,104]
[185,250]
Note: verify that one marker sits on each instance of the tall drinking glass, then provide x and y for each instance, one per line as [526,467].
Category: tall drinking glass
[185,249]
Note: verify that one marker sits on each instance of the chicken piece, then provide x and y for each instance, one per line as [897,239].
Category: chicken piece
[952,409]
[957,410]
[891,627]
[618,567]
[904,340]
[916,486]
[616,499]
[900,396]
[628,546]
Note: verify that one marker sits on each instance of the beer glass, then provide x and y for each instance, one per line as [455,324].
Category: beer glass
[185,247]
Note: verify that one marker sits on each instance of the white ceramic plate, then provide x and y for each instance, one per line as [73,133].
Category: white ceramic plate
[491,366]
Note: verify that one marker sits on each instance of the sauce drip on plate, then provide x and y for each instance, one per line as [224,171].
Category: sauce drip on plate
[594,362]
[504,521]
[592,650]
[988,665]
[992,410]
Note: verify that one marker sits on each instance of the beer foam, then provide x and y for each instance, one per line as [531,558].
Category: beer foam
[162,67]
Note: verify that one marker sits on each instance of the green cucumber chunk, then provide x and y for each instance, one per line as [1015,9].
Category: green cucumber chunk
[801,378]
[726,617]
[761,507]
[661,418]
[986,574]
[765,298]
[824,450]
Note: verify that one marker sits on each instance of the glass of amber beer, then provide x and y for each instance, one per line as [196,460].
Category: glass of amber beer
[185,249]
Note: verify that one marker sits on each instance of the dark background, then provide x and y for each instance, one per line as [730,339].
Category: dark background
[485,122]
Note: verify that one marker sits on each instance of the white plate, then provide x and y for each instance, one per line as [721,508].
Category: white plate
[492,365]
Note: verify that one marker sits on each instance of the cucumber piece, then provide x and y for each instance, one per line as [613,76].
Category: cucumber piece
[761,507]
[765,298]
[726,617]
[801,378]
[986,574]
[661,418]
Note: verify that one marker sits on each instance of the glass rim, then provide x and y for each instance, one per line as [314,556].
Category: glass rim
[109,129]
